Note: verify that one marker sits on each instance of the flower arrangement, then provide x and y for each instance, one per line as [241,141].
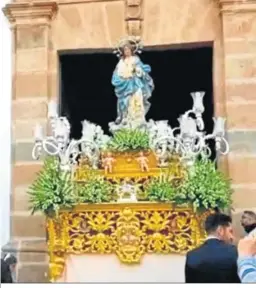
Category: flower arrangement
[160,189]
[95,190]
[51,190]
[126,140]
[203,187]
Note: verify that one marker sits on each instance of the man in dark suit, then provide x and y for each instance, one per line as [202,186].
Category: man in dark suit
[216,260]
[6,276]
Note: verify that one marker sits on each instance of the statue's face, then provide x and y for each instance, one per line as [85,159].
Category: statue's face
[127,51]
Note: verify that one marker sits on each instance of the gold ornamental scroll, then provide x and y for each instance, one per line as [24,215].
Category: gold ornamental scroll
[127,230]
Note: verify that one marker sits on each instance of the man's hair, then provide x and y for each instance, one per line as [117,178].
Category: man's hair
[215,220]
[250,213]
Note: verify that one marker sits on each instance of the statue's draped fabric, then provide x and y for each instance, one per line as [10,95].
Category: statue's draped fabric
[133,87]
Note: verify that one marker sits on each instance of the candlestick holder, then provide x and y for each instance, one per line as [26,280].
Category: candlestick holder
[188,139]
[59,143]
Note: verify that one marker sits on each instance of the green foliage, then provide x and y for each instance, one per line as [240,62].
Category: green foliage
[51,190]
[129,140]
[205,187]
[95,190]
[160,189]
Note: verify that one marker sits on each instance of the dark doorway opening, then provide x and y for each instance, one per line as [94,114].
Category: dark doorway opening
[87,93]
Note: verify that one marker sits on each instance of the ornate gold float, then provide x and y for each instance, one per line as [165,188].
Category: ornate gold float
[140,162]
[128,230]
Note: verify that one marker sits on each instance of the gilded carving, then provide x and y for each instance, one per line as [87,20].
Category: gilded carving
[126,166]
[57,244]
[129,237]
[129,231]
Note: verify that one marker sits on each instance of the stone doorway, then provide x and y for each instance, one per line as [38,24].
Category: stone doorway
[86,91]
[178,70]
[41,28]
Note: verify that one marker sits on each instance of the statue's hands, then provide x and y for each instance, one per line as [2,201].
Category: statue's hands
[138,71]
[127,75]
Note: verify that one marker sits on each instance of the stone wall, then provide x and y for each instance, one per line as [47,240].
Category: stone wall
[41,28]
[31,89]
[239,34]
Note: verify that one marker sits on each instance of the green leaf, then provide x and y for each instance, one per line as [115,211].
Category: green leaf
[51,189]
[206,187]
[129,140]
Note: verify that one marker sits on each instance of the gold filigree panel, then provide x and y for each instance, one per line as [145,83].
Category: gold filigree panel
[129,231]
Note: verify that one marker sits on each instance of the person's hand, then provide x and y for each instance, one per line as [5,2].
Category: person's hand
[247,247]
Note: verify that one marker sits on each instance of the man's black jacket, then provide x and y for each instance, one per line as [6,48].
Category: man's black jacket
[214,262]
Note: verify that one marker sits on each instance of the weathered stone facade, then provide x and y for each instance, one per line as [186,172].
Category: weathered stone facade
[42,27]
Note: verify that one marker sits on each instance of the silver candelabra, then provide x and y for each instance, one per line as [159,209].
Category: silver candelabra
[189,139]
[60,145]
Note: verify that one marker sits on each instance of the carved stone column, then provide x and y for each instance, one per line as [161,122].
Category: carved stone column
[30,22]
[134,17]
[31,28]
[239,38]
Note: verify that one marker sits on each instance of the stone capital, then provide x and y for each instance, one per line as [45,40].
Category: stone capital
[30,12]
[237,6]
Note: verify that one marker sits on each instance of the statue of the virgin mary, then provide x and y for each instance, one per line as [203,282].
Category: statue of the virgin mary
[133,85]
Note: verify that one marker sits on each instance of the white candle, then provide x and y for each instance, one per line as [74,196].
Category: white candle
[60,129]
[52,109]
[219,126]
[38,132]
[187,126]
[198,106]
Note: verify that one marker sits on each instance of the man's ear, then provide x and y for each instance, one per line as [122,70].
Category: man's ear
[219,231]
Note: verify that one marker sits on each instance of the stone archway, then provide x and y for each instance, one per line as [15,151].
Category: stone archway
[41,28]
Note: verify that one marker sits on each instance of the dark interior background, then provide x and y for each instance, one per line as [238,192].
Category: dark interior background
[87,93]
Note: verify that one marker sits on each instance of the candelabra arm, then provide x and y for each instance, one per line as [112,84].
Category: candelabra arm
[199,122]
[226,150]
[175,129]
[76,143]
[199,146]
[48,142]
[37,150]
[186,114]
[199,119]
[169,139]
[206,152]
[209,136]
